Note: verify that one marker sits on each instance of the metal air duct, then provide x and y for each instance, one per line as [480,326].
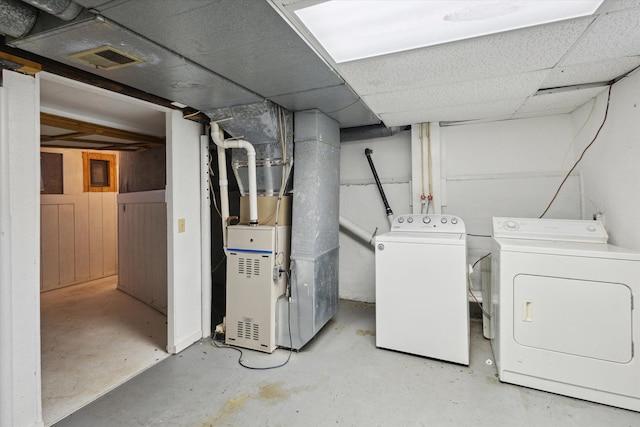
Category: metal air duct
[66,10]
[16,18]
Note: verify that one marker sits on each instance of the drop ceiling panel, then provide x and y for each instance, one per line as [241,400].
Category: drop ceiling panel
[276,66]
[469,92]
[552,112]
[484,110]
[248,43]
[163,73]
[611,35]
[196,26]
[615,5]
[562,100]
[591,72]
[357,114]
[502,54]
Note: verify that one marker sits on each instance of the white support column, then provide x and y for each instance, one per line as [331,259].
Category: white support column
[205,234]
[20,383]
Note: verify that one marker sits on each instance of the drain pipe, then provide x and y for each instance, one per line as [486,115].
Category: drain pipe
[358,231]
[367,152]
[218,138]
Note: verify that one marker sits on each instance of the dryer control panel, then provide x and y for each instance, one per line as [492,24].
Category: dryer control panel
[559,230]
[430,223]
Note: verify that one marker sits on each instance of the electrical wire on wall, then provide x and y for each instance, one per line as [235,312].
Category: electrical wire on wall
[426,199]
[604,120]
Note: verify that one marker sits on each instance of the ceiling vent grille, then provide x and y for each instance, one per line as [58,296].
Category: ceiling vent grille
[106,58]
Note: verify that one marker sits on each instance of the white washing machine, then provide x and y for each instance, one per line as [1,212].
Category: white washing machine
[563,310]
[421,287]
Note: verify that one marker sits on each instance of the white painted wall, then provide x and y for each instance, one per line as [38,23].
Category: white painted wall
[361,203]
[78,229]
[611,167]
[507,168]
[183,249]
[20,398]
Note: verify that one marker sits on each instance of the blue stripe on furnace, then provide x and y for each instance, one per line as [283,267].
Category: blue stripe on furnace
[251,251]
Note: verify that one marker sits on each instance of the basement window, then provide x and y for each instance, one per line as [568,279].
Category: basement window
[99,172]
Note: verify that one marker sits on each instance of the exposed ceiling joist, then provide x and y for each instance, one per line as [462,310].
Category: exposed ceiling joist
[82,132]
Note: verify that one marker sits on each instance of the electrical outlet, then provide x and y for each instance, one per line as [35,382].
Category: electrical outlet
[181,225]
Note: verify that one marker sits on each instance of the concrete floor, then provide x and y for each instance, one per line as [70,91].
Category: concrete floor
[340,378]
[94,338]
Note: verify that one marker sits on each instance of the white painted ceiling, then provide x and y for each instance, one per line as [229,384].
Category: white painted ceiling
[229,52]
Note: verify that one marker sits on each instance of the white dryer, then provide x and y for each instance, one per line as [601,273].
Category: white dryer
[563,312]
[421,287]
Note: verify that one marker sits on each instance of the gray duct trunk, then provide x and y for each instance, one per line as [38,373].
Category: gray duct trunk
[314,231]
[16,18]
[66,10]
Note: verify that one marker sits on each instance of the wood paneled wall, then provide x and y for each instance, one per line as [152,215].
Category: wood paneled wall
[142,247]
[78,231]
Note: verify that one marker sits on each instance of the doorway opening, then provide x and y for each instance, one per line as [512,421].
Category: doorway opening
[103,244]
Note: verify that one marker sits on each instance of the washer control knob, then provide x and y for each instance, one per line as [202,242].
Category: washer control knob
[591,228]
[426,219]
[443,220]
[511,225]
[400,220]
[410,220]
[380,247]
[454,220]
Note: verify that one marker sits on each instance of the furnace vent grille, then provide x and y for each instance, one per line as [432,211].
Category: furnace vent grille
[106,58]
[248,330]
[249,267]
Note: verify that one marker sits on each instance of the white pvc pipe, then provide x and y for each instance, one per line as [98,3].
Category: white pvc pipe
[6,307]
[217,136]
[357,230]
[224,192]
[390,219]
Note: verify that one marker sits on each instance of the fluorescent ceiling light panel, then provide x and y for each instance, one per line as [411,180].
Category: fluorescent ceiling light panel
[357,29]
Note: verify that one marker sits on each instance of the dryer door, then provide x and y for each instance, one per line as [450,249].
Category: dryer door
[578,317]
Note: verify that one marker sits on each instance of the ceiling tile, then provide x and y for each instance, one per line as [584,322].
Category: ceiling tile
[611,35]
[279,65]
[592,72]
[247,42]
[162,73]
[560,100]
[192,27]
[502,54]
[324,99]
[469,92]
[357,114]
[552,112]
[483,110]
[615,5]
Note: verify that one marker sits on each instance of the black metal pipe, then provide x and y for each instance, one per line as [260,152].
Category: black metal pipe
[367,152]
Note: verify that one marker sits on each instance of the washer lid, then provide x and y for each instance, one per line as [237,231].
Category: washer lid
[564,230]
[577,249]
